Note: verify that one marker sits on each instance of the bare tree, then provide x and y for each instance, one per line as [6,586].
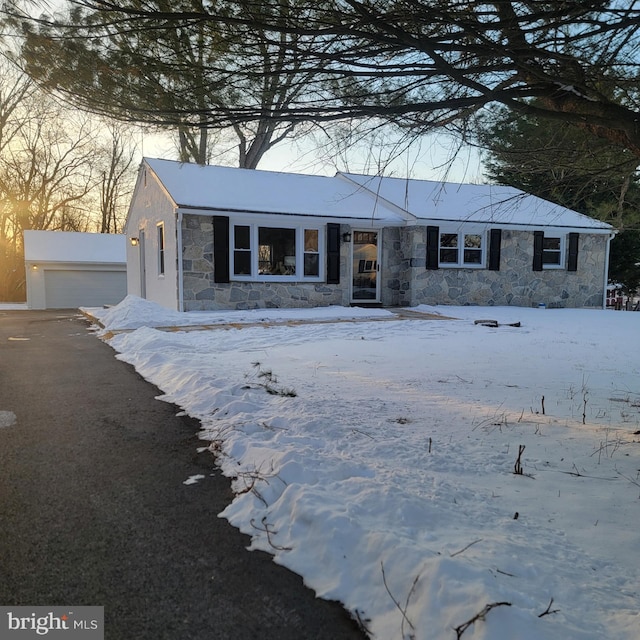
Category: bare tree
[50,169]
[115,178]
[172,74]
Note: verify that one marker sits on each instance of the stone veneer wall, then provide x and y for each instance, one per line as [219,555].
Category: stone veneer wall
[201,293]
[404,279]
[407,282]
[395,284]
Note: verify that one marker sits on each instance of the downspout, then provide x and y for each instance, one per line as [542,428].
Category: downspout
[179,256]
[606,269]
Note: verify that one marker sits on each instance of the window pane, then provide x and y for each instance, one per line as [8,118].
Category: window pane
[242,263]
[449,256]
[473,256]
[551,257]
[365,237]
[160,249]
[311,264]
[449,240]
[448,250]
[551,251]
[311,240]
[242,237]
[473,248]
[473,241]
[276,251]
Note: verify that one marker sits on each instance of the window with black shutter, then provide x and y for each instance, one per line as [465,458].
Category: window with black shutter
[548,251]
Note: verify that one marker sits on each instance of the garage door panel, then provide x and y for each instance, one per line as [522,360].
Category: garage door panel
[68,289]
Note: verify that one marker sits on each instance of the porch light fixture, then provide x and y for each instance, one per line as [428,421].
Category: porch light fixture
[346,237]
[135,242]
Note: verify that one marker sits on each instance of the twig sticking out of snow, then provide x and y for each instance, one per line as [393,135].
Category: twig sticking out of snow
[517,468]
[460,629]
[269,532]
[548,611]
[402,610]
[457,553]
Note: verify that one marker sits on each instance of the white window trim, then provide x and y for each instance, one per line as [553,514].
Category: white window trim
[562,252]
[299,230]
[484,247]
[161,250]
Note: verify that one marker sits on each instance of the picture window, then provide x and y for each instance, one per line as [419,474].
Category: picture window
[276,253]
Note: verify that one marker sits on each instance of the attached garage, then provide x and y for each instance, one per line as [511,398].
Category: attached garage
[67,270]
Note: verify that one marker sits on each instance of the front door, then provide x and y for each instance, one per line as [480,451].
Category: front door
[365,267]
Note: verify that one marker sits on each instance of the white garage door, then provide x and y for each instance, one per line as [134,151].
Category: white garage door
[72,289]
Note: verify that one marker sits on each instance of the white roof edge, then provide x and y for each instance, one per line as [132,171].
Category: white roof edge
[373,222]
[516,226]
[146,164]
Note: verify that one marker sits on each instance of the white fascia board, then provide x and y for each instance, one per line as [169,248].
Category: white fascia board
[156,177]
[513,226]
[265,217]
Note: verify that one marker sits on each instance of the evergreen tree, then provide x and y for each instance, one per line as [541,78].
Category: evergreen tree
[423,64]
[171,74]
[564,164]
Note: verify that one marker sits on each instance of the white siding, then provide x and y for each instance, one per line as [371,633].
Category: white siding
[150,207]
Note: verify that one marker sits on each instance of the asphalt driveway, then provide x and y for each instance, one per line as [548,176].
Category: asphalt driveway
[94,509]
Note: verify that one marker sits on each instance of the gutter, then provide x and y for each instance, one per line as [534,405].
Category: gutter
[179,257]
[606,269]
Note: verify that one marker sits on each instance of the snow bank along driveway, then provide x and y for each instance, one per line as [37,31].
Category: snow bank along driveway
[441,479]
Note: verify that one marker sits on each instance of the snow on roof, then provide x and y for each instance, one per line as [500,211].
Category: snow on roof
[485,203]
[253,190]
[352,196]
[70,246]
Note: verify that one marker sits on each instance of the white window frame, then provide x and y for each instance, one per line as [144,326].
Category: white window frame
[162,249]
[460,263]
[562,253]
[299,229]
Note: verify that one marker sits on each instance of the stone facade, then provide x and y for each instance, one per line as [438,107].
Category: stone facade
[404,279]
[407,282]
[201,293]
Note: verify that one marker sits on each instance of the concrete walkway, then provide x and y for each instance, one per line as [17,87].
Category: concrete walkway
[396,313]
[94,509]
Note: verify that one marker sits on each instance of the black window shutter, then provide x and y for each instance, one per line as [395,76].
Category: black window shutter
[495,241]
[572,264]
[538,236]
[333,253]
[433,247]
[220,249]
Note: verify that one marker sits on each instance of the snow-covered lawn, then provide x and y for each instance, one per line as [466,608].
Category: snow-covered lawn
[441,478]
